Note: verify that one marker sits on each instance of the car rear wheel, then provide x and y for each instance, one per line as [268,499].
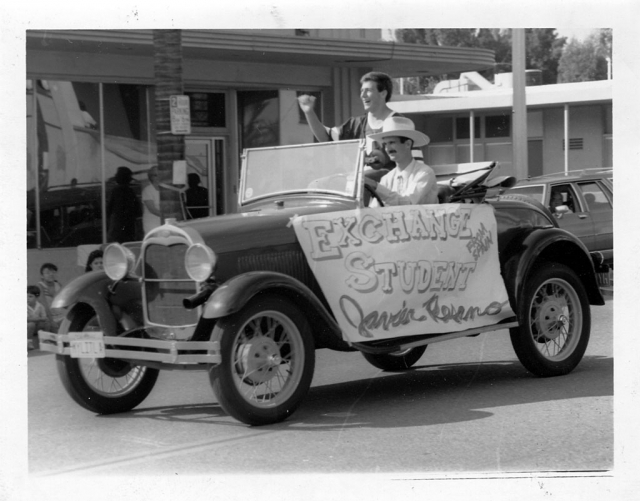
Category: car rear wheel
[268,359]
[102,385]
[397,361]
[555,321]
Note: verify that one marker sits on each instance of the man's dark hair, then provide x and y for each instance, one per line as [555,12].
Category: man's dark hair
[382,80]
[33,289]
[48,266]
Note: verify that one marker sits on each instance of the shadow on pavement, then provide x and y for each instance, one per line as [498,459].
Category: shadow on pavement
[425,395]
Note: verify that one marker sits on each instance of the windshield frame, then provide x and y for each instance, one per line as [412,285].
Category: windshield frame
[354,172]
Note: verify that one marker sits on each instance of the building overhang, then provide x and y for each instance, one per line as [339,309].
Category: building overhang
[581,93]
[259,46]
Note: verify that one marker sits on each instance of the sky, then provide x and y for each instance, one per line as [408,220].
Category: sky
[578,33]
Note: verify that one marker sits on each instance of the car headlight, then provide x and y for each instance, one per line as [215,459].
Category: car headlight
[118,261]
[200,261]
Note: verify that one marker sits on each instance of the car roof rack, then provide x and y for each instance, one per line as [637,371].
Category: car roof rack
[577,172]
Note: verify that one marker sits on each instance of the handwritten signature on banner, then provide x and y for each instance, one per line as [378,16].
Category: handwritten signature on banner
[385,320]
[407,270]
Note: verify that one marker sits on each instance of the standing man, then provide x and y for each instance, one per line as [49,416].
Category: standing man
[151,217]
[123,208]
[375,92]
[411,181]
[197,197]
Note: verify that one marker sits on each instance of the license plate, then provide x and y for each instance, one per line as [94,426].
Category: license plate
[86,345]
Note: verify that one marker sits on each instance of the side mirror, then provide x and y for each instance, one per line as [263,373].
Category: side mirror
[561,210]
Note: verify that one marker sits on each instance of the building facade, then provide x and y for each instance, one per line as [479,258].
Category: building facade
[470,119]
[90,109]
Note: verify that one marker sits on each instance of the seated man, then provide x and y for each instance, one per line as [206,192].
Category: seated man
[411,181]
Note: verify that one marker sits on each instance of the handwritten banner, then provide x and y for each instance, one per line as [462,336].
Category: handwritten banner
[400,271]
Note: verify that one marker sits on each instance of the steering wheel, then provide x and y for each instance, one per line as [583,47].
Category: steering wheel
[372,193]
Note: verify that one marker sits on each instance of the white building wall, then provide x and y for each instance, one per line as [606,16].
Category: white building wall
[584,122]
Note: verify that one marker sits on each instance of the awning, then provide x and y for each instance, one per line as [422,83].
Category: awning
[259,46]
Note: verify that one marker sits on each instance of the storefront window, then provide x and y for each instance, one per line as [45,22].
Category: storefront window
[72,158]
[259,118]
[439,129]
[463,128]
[208,109]
[498,126]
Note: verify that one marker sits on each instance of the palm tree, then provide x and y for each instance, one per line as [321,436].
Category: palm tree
[167,48]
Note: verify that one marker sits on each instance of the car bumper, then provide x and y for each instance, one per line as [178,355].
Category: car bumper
[141,350]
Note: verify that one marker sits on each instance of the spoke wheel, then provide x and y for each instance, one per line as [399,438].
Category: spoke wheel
[102,385]
[555,321]
[397,361]
[267,363]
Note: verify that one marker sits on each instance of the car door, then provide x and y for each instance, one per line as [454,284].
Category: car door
[599,201]
[578,220]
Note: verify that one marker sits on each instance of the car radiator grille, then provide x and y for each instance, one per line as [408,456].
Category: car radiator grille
[292,263]
[166,284]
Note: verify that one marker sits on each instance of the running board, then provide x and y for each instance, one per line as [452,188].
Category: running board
[435,339]
[454,335]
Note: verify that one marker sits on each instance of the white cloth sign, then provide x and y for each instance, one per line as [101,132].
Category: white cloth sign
[400,271]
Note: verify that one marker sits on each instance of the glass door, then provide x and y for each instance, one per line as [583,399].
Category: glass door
[206,176]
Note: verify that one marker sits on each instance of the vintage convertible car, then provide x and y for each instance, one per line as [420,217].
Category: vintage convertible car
[307,264]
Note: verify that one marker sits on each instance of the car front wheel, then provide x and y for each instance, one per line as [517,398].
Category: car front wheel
[555,321]
[268,359]
[102,385]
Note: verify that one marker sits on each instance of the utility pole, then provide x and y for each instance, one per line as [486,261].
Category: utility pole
[519,126]
[167,49]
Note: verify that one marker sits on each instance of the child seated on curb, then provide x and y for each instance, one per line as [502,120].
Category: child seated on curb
[36,317]
[49,286]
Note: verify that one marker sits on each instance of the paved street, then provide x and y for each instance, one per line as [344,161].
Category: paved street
[469,407]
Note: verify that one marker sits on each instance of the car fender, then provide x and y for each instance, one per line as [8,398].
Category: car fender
[234,294]
[110,307]
[552,245]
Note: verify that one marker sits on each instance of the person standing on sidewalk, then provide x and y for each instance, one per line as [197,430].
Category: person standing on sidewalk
[123,209]
[151,218]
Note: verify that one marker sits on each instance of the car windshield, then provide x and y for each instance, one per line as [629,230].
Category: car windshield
[309,168]
[536,192]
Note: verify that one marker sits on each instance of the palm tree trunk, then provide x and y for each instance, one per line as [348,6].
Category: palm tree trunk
[167,47]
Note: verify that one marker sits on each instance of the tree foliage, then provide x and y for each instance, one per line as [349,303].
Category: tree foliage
[543,51]
[585,61]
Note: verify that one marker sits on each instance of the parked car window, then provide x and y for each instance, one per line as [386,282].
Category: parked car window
[563,194]
[595,197]
[536,192]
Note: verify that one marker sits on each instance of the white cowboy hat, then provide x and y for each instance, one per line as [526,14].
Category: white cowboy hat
[402,127]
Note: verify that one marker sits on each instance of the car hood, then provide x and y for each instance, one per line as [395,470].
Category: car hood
[263,227]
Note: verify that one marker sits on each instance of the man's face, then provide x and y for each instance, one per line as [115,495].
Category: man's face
[397,151]
[49,275]
[371,97]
